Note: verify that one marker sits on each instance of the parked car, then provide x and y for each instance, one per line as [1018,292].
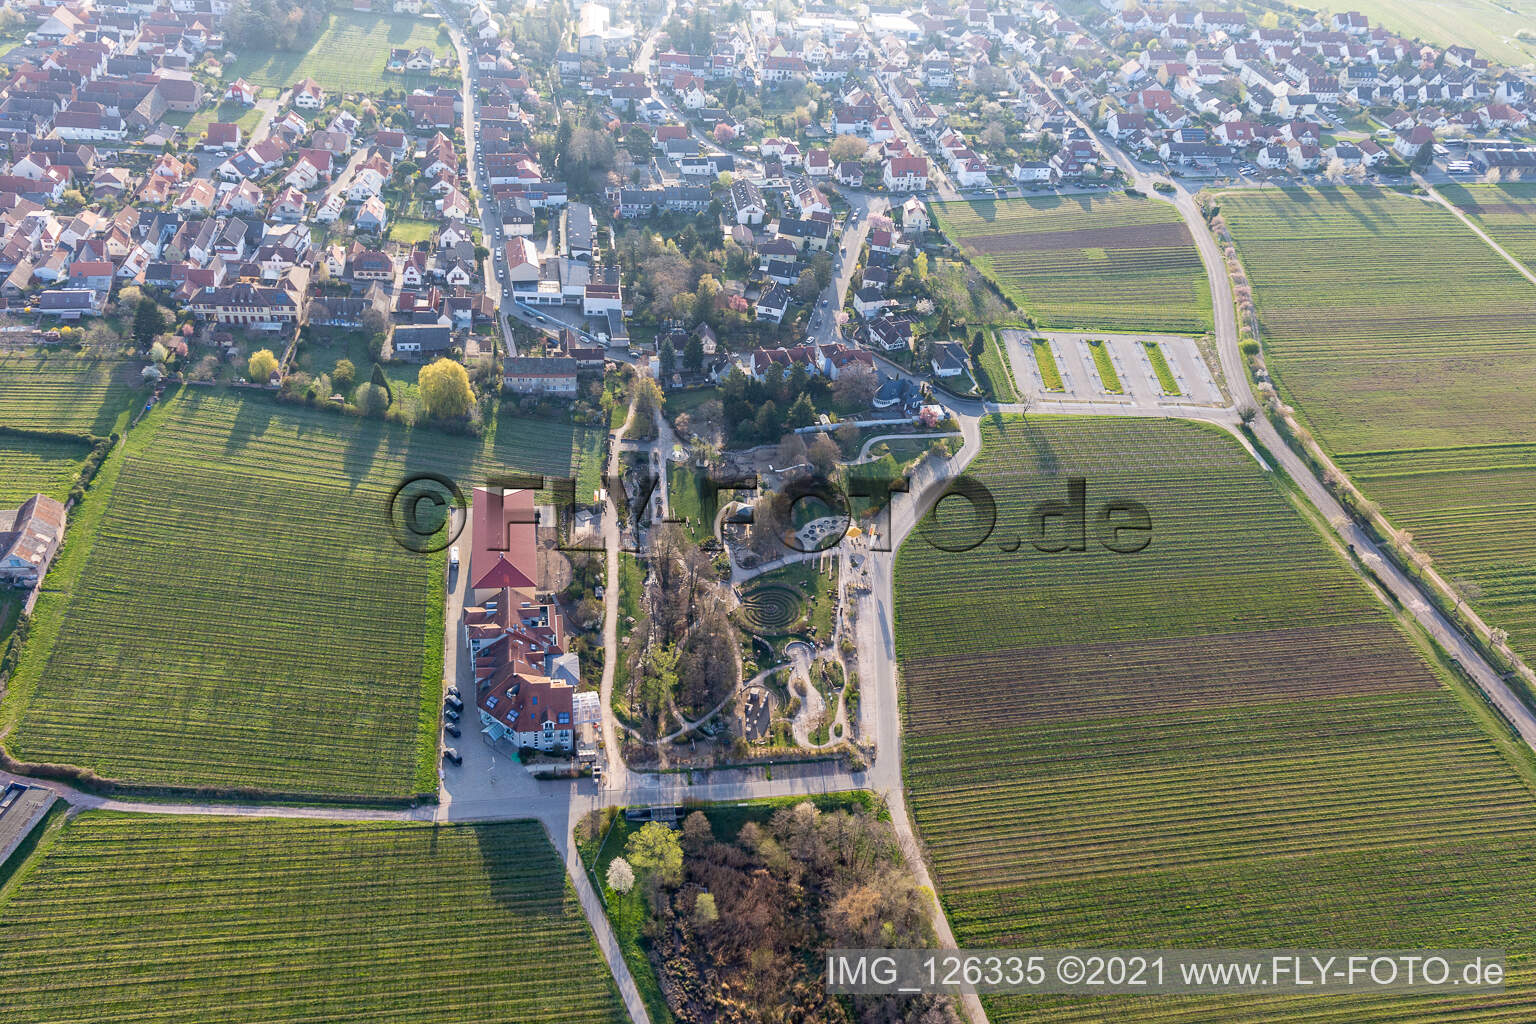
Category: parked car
[453,557]
[452,730]
[454,702]
[450,715]
[453,691]
[452,755]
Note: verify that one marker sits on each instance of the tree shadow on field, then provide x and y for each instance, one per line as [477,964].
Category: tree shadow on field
[362,448]
[252,417]
[1043,459]
[508,849]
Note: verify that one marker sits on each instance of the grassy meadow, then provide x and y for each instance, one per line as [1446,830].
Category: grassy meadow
[349,55]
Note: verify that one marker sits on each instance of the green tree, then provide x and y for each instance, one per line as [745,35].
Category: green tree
[656,850]
[802,413]
[805,288]
[667,356]
[704,909]
[445,390]
[848,147]
[148,321]
[379,380]
[767,420]
[693,354]
[821,264]
[262,365]
[344,375]
[372,399]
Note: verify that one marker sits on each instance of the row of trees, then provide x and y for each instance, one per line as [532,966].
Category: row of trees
[273,24]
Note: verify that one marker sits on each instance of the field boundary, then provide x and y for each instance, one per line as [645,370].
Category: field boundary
[1413,563]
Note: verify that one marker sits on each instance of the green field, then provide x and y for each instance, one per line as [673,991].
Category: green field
[408,232]
[1221,740]
[63,391]
[1113,263]
[1159,361]
[348,56]
[151,918]
[1105,367]
[1506,211]
[1050,373]
[244,619]
[38,465]
[992,370]
[1489,26]
[1406,344]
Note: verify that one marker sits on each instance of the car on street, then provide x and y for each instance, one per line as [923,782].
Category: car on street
[449,754]
[450,715]
[453,558]
[454,702]
[452,730]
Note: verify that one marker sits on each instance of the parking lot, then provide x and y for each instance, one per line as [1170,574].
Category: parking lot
[1132,362]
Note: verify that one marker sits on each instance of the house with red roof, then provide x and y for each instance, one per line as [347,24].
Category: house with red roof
[505,551]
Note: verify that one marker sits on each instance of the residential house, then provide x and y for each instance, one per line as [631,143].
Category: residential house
[422,342]
[30,535]
[539,375]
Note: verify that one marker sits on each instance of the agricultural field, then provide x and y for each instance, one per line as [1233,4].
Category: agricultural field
[1113,263]
[244,618]
[1506,211]
[1500,30]
[1220,740]
[1406,345]
[139,918]
[63,391]
[38,465]
[348,56]
[1474,510]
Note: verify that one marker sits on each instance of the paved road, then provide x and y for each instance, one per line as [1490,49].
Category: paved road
[825,329]
[939,184]
[490,220]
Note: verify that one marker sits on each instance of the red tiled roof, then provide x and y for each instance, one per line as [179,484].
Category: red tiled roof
[505,540]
